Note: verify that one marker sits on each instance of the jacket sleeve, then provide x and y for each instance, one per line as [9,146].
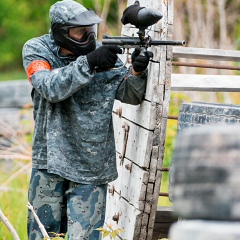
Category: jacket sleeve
[55,84]
[133,88]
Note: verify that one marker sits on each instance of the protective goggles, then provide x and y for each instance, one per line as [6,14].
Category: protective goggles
[79,33]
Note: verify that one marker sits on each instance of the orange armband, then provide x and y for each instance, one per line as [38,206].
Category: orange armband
[36,66]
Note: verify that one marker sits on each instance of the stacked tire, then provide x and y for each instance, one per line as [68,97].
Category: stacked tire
[199,114]
[205,173]
[204,230]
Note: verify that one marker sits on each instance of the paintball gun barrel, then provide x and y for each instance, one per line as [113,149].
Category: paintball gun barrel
[132,42]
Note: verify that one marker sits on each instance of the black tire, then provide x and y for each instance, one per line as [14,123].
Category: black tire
[206,175]
[204,230]
[207,201]
[201,113]
[198,114]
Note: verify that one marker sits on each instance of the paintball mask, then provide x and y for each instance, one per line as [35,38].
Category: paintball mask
[70,14]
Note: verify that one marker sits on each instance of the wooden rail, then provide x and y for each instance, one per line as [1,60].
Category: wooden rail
[207,83]
[206,53]
[201,82]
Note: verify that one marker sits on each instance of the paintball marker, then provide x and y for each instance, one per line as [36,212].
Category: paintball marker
[146,17]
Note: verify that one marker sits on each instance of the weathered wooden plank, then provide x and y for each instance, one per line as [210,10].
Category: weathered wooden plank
[162,135]
[143,233]
[154,204]
[170,13]
[142,138]
[208,83]
[160,129]
[129,217]
[131,183]
[139,144]
[153,165]
[144,3]
[206,53]
[142,114]
[155,87]
[168,75]
[157,130]
[158,76]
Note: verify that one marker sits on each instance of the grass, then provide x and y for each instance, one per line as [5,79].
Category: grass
[13,199]
[13,75]
[164,201]
[14,176]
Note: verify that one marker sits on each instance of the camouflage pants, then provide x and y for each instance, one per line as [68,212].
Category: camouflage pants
[64,206]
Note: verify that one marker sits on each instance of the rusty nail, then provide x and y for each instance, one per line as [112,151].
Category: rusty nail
[119,112]
[116,217]
[129,167]
[111,190]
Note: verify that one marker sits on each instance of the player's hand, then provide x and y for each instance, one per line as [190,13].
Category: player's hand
[103,57]
[140,60]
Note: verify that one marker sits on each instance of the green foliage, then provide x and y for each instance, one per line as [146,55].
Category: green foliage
[13,199]
[14,177]
[20,21]
[175,102]
[13,75]
[110,232]
[57,236]
[23,20]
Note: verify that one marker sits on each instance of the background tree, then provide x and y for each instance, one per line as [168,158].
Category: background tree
[22,20]
[208,24]
[203,23]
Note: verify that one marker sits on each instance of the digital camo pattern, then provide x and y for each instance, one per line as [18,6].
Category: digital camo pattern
[72,107]
[63,11]
[64,206]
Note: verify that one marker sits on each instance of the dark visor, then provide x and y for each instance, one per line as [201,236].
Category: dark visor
[86,18]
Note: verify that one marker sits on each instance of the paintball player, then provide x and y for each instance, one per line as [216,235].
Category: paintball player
[73,155]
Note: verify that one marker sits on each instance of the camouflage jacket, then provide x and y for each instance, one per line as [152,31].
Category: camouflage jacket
[72,107]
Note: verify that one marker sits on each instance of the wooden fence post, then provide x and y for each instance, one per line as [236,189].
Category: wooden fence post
[133,198]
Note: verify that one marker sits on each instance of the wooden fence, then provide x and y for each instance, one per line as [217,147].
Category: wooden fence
[209,83]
